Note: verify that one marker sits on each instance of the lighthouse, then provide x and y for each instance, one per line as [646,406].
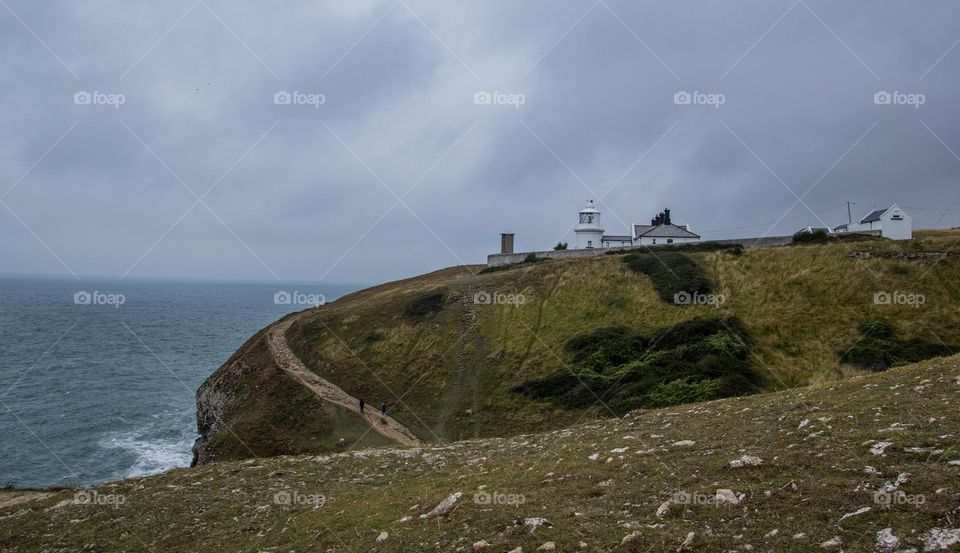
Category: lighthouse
[589,230]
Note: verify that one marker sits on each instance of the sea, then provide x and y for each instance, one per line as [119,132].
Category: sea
[98,376]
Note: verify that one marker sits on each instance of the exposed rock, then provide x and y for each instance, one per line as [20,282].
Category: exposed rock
[444,506]
[549,546]
[879,447]
[532,523]
[886,541]
[746,461]
[664,509]
[941,539]
[630,537]
[383,536]
[859,511]
[727,497]
[771,534]
[482,544]
[833,543]
[684,443]
[687,542]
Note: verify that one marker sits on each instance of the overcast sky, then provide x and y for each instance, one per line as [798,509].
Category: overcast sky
[200,173]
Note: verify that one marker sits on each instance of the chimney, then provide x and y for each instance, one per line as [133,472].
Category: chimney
[506,242]
[666,216]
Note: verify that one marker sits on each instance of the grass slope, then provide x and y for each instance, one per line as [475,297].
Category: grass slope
[595,483]
[449,370]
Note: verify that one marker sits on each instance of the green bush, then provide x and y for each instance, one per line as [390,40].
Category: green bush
[670,273]
[878,349]
[684,390]
[690,247]
[695,360]
[424,305]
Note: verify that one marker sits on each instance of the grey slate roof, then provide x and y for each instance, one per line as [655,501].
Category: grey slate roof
[663,231]
[874,215]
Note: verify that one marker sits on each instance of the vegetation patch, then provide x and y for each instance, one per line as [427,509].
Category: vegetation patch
[530,259]
[878,349]
[670,272]
[690,247]
[424,305]
[696,360]
[820,236]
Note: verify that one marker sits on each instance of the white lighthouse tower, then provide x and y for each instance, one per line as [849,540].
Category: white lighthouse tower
[589,230]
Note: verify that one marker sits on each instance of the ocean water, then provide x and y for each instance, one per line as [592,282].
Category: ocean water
[101,386]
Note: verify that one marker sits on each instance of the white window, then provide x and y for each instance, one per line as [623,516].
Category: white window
[589,243]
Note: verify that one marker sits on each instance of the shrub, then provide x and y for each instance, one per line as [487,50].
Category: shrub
[690,247]
[530,258]
[424,305]
[695,360]
[684,390]
[818,236]
[670,273]
[560,246]
[877,349]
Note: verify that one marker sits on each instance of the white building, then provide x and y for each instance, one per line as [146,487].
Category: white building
[892,222]
[589,231]
[660,231]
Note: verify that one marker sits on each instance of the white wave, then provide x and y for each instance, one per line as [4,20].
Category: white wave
[152,454]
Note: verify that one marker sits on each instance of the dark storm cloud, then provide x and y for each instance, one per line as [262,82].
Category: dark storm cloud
[304,192]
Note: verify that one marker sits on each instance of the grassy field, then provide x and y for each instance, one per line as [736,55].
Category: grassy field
[841,465]
[446,349]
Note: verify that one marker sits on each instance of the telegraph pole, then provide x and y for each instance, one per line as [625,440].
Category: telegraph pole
[849,217]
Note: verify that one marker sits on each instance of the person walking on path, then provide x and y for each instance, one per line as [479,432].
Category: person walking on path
[361,406]
[383,408]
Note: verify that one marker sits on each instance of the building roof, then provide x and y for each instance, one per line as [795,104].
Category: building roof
[590,208]
[616,238]
[663,231]
[875,215]
[838,228]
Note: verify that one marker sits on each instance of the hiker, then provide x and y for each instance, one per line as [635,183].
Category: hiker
[383,408]
[361,406]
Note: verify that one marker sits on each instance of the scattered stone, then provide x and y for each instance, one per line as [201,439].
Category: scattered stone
[879,447]
[746,461]
[832,543]
[664,509]
[727,497]
[803,424]
[444,506]
[383,536]
[858,512]
[771,534]
[405,519]
[941,539]
[687,543]
[533,523]
[886,541]
[482,544]
[517,550]
[594,457]
[549,546]
[800,536]
[630,537]
[955,463]
[872,471]
[684,443]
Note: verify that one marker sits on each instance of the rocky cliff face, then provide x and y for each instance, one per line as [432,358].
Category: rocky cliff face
[249,407]
[222,395]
